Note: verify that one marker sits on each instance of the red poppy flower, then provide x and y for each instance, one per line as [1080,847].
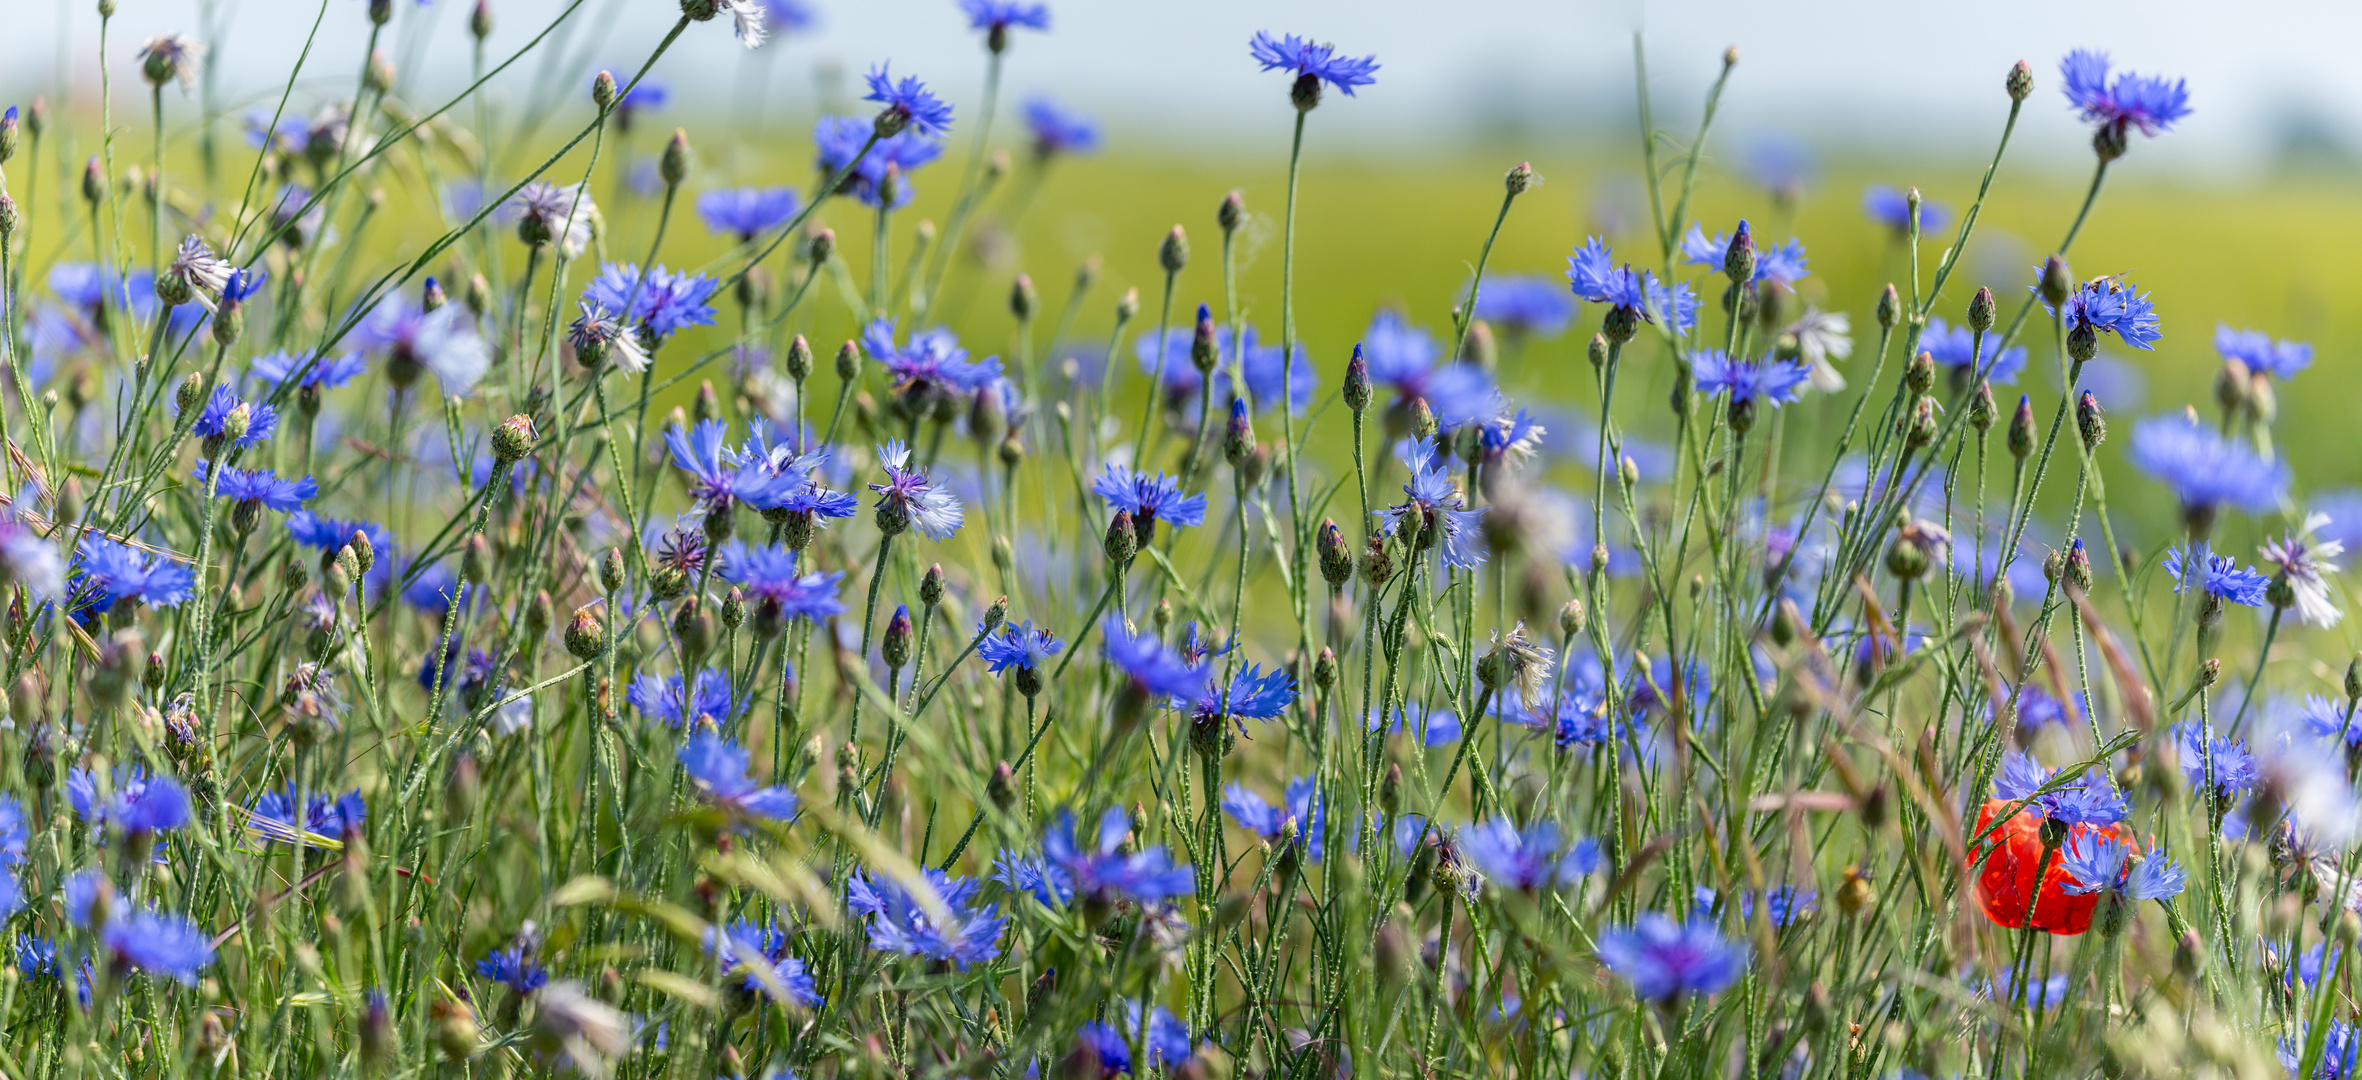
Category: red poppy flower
[2018,874]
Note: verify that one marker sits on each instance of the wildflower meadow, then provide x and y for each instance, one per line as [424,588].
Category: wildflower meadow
[489,594]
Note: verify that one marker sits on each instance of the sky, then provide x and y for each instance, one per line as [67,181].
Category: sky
[1165,75]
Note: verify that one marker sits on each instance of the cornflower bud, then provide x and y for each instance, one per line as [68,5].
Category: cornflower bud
[1336,558]
[1980,310]
[2089,423]
[1922,431]
[1357,381]
[1890,307]
[823,244]
[479,22]
[1203,351]
[1022,297]
[2078,566]
[1481,351]
[603,90]
[381,12]
[2019,82]
[694,628]
[849,361]
[1596,352]
[2021,429]
[1423,422]
[586,636]
[379,75]
[1173,254]
[8,126]
[1127,306]
[1232,213]
[1324,669]
[996,614]
[1521,178]
[2057,282]
[1377,567]
[94,182]
[894,647]
[1238,439]
[612,574]
[1981,410]
[1738,260]
[513,439]
[8,216]
[1001,787]
[673,167]
[1920,374]
[1122,541]
[2353,685]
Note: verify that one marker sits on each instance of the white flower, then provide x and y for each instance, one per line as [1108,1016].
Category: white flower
[747,15]
[1823,336]
[2304,562]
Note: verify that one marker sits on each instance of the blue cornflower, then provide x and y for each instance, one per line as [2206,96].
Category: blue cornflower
[514,967]
[907,104]
[1773,382]
[1265,367]
[1154,670]
[899,923]
[14,836]
[2148,102]
[1254,694]
[747,212]
[1057,131]
[647,95]
[261,418]
[1310,61]
[332,816]
[1033,874]
[800,470]
[1890,207]
[2099,862]
[1781,163]
[744,943]
[1664,961]
[997,16]
[1955,347]
[722,476]
[1527,859]
[932,366]
[668,698]
[478,671]
[1104,872]
[839,140]
[157,943]
[1636,294]
[1435,504]
[769,574]
[2341,1053]
[781,16]
[327,373]
[2091,800]
[328,534]
[1406,358]
[1787,904]
[117,572]
[1166,1046]
[1297,820]
[2221,763]
[2326,719]
[2223,576]
[718,767]
[1018,644]
[1521,306]
[260,486]
[1508,438]
[661,302]
[2108,304]
[443,341]
[2261,354]
[1779,264]
[2204,469]
[909,498]
[1149,499]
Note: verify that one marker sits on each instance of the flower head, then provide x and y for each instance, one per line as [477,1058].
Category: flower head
[273,816]
[909,498]
[1778,264]
[442,341]
[547,213]
[1058,131]
[1309,60]
[2219,576]
[1636,294]
[741,945]
[514,967]
[1149,499]
[907,104]
[138,804]
[660,302]
[1957,348]
[931,367]
[722,476]
[323,373]
[1101,871]
[2090,800]
[2304,564]
[1167,1043]
[771,575]
[748,212]
[718,767]
[997,16]
[2220,764]
[157,943]
[1664,961]
[2204,469]
[1151,667]
[2102,863]
[598,335]
[262,487]
[1527,859]
[112,572]
[1018,645]
[840,139]
[1524,306]
[2150,103]
[1297,820]
[1773,382]
[1435,505]
[680,703]
[1407,358]
[2261,354]
[959,931]
[239,423]
[172,57]
[2107,304]
[1891,208]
